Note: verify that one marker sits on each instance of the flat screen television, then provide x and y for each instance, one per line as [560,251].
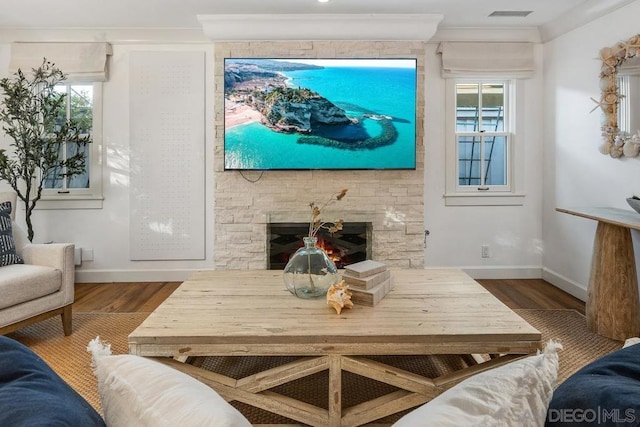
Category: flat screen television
[283,114]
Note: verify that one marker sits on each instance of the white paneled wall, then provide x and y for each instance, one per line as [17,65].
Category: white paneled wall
[167,137]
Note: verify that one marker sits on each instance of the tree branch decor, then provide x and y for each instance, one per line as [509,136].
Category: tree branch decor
[316,223]
[45,143]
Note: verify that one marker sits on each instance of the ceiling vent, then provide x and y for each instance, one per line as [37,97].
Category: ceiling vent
[511,13]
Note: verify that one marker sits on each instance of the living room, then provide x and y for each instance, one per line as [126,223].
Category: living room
[561,139]
[558,165]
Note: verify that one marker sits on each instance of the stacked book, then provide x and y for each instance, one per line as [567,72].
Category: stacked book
[369,281]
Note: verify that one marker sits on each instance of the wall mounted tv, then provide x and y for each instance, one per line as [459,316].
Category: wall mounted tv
[319,114]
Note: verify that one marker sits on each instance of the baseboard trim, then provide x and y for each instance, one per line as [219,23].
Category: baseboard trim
[503,272]
[524,272]
[567,285]
[108,276]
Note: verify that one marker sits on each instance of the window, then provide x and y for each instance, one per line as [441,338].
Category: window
[481,142]
[482,136]
[83,103]
[86,65]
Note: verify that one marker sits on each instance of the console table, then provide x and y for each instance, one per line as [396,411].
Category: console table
[612,308]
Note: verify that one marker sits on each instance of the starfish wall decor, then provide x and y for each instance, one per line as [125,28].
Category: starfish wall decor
[616,143]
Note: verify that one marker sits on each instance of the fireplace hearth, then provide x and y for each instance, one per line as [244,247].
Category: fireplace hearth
[352,244]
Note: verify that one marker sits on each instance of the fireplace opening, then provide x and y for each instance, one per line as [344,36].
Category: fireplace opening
[350,245]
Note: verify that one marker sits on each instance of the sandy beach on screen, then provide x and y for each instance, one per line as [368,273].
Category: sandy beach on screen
[238,114]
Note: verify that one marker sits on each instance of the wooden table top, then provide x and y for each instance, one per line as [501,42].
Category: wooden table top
[251,312]
[616,216]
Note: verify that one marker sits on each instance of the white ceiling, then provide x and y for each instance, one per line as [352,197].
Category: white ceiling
[183,13]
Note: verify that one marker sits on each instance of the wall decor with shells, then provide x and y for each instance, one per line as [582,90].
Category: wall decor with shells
[616,143]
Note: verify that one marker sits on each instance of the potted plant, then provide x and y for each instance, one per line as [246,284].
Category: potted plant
[33,117]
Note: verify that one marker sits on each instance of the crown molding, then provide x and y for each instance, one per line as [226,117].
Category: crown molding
[393,27]
[578,16]
[487,34]
[111,35]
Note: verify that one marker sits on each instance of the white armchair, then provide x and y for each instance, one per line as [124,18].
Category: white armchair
[40,288]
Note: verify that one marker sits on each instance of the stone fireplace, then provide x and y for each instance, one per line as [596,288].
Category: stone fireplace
[389,202]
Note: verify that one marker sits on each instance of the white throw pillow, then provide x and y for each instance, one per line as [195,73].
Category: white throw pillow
[136,391]
[631,341]
[515,394]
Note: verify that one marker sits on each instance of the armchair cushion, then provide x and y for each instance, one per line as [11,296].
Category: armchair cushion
[42,286]
[23,282]
[8,253]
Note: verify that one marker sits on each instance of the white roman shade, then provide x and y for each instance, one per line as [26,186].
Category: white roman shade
[479,59]
[82,62]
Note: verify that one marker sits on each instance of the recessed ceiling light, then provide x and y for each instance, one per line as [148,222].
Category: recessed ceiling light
[511,13]
[323,1]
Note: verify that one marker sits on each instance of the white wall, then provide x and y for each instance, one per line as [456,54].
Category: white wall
[575,173]
[457,233]
[106,230]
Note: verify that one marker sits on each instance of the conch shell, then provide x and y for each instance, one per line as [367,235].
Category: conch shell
[339,297]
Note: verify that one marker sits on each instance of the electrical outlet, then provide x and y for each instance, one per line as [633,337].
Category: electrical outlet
[485,251]
[87,254]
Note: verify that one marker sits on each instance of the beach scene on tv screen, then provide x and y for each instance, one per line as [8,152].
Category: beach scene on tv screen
[319,113]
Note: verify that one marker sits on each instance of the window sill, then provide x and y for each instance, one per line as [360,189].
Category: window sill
[485,199]
[70,202]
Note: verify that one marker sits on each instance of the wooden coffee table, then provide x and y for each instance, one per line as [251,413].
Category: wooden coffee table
[250,313]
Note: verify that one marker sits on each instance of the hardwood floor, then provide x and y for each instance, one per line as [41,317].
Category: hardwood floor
[532,293]
[146,296]
[122,297]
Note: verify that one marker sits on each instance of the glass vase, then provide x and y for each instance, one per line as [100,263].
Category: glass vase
[310,272]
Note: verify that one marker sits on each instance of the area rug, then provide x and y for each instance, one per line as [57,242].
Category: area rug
[69,358]
[569,328]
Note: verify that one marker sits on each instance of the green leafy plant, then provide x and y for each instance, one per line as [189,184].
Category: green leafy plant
[45,143]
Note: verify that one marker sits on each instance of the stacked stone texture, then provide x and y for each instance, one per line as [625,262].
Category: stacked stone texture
[392,201]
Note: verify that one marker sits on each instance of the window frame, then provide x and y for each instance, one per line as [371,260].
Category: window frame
[83,198]
[474,195]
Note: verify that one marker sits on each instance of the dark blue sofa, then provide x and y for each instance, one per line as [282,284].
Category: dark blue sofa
[32,394]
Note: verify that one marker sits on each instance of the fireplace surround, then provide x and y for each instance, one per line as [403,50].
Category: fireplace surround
[391,201]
